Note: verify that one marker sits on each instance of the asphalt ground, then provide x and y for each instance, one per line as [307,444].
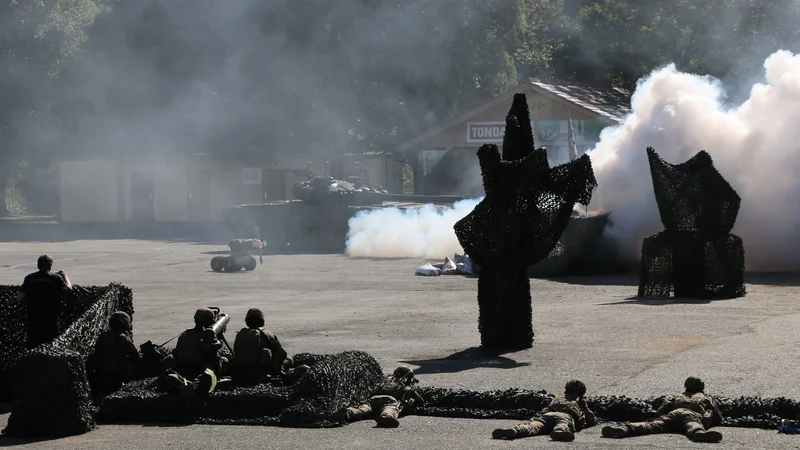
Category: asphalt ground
[588,328]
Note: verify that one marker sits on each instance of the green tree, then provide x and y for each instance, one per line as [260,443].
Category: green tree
[38,38]
[620,41]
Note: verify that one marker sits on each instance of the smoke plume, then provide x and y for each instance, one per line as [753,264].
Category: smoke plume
[395,233]
[755,145]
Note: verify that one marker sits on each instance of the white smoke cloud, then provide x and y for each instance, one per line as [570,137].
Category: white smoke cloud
[754,145]
[411,233]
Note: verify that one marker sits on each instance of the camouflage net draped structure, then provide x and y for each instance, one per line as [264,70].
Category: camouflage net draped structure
[518,223]
[49,390]
[519,404]
[695,256]
[309,403]
[333,381]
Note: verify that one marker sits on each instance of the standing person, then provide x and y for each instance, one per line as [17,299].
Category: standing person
[692,413]
[44,293]
[567,414]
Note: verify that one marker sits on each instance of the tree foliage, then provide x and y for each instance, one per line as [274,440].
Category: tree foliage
[333,76]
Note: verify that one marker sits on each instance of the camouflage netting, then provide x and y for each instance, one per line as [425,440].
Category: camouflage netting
[49,390]
[518,223]
[518,404]
[695,256]
[333,381]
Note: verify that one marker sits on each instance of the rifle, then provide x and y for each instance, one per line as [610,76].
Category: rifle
[221,320]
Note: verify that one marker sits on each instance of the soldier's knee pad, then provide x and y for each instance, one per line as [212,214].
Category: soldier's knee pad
[206,382]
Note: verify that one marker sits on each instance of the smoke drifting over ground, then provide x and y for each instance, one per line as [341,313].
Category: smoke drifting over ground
[392,233]
[755,145]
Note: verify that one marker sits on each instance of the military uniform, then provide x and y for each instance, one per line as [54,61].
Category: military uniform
[388,402]
[561,420]
[113,359]
[566,414]
[258,354]
[198,348]
[691,413]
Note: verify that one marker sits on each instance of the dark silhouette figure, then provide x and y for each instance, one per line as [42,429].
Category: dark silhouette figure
[518,223]
[695,256]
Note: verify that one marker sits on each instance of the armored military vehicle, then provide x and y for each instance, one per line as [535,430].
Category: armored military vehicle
[318,217]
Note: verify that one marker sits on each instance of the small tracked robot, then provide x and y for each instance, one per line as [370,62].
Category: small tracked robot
[240,256]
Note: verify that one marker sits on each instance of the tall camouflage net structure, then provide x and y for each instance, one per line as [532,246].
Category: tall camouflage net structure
[518,223]
[695,256]
[48,387]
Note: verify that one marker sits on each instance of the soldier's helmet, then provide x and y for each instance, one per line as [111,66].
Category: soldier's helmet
[694,384]
[204,317]
[120,319]
[254,313]
[575,387]
[402,372]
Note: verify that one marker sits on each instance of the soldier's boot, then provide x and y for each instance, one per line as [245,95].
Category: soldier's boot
[615,431]
[562,435]
[387,421]
[706,436]
[504,433]
[340,415]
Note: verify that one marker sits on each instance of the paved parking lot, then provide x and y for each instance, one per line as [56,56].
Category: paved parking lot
[586,328]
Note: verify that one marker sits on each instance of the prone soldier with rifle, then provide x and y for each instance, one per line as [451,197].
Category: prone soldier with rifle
[397,394]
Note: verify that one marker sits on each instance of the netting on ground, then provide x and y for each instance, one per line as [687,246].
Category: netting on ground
[333,382]
[519,404]
[49,390]
[526,209]
[695,256]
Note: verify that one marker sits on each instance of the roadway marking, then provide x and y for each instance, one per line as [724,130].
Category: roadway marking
[69,259]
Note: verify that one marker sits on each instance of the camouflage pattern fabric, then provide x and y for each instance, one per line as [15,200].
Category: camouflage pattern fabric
[695,256]
[517,224]
[549,422]
[519,404]
[332,382]
[51,395]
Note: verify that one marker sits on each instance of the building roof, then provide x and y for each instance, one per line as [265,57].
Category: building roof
[609,104]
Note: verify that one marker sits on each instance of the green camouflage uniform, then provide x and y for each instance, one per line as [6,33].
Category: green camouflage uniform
[387,403]
[197,350]
[258,354]
[561,416]
[687,414]
[113,359]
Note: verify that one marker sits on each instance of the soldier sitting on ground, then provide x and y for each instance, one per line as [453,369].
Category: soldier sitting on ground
[114,357]
[566,415]
[198,349]
[691,414]
[259,354]
[396,395]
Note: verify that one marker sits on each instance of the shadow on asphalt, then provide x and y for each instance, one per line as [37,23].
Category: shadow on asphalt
[772,278]
[597,280]
[471,358]
[659,302]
